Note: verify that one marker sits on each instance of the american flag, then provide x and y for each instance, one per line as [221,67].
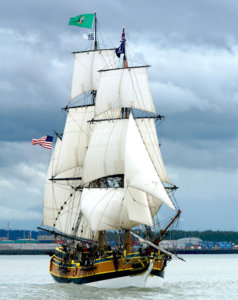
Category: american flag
[123,37]
[45,141]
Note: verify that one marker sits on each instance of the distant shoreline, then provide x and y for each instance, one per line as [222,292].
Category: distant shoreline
[205,251]
[178,251]
[23,252]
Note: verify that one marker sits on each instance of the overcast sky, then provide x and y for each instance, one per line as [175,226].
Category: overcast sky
[192,47]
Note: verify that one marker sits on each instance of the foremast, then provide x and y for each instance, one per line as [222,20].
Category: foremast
[64,183]
[95,32]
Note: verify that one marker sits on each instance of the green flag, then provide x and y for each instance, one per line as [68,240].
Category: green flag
[85,20]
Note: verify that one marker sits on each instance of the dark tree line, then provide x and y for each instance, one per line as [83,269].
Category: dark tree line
[208,235]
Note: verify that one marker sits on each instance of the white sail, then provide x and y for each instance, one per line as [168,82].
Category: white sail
[55,194]
[154,204]
[140,172]
[86,66]
[138,206]
[148,133]
[61,207]
[124,88]
[107,147]
[116,147]
[54,198]
[70,220]
[115,208]
[75,141]
[105,155]
[68,213]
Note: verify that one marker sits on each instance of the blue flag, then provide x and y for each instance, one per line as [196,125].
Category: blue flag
[121,49]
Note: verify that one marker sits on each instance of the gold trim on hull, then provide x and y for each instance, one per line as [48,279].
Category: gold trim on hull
[109,267]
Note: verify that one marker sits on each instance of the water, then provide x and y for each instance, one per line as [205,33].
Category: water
[201,277]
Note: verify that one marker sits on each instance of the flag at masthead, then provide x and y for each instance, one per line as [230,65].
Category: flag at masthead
[86,20]
[122,49]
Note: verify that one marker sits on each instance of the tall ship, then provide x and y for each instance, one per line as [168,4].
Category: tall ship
[107,177]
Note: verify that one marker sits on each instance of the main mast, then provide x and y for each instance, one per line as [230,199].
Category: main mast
[114,158]
[125,63]
[125,111]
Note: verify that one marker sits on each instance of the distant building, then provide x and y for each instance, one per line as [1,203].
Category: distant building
[217,245]
[185,243]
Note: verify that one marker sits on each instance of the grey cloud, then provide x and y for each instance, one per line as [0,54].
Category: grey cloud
[192,46]
[201,125]
[199,22]
[206,155]
[205,198]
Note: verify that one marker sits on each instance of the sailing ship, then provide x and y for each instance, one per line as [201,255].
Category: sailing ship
[106,174]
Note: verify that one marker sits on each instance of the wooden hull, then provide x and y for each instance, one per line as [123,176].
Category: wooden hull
[110,271]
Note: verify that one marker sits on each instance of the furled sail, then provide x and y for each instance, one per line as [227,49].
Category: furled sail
[127,87]
[148,133]
[75,141]
[86,66]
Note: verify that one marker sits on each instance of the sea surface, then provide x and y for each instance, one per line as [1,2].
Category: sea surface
[200,277]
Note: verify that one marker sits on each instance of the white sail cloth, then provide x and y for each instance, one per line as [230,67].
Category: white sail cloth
[54,195]
[124,88]
[75,141]
[86,66]
[105,154]
[140,172]
[61,206]
[143,193]
[115,208]
[148,133]
[118,208]
[70,220]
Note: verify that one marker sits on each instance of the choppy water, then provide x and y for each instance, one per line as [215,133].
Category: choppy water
[201,277]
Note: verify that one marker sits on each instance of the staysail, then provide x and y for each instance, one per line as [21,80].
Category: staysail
[140,172]
[149,136]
